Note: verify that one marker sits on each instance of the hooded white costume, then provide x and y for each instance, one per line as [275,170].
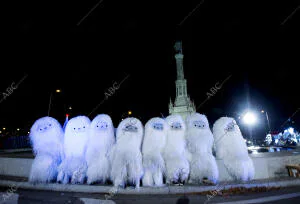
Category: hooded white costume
[177,165]
[127,164]
[154,141]
[46,136]
[100,142]
[200,143]
[74,165]
[231,147]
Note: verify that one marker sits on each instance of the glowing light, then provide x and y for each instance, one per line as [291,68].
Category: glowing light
[262,111]
[70,108]
[291,130]
[67,115]
[18,129]
[0,131]
[57,90]
[4,128]
[249,118]
[129,112]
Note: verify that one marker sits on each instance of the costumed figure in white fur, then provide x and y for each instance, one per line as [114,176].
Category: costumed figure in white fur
[231,148]
[177,165]
[46,136]
[153,144]
[100,142]
[127,166]
[73,168]
[199,144]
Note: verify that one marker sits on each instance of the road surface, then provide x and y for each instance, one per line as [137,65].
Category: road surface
[20,196]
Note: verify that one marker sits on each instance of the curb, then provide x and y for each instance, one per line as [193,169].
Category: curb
[143,190]
[15,150]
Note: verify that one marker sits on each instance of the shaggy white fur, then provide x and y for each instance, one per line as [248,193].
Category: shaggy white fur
[177,165]
[154,141]
[199,144]
[127,164]
[231,147]
[74,165]
[46,136]
[100,142]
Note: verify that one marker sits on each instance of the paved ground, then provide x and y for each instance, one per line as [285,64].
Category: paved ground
[285,195]
[22,153]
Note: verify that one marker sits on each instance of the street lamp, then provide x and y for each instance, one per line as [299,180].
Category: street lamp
[50,100]
[249,118]
[267,117]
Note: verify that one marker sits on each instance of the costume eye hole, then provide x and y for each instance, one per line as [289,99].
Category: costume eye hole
[83,126]
[50,125]
[97,125]
[41,129]
[74,128]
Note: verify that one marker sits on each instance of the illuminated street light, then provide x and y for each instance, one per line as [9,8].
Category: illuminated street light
[57,90]
[291,130]
[18,129]
[129,112]
[267,117]
[249,118]
[4,128]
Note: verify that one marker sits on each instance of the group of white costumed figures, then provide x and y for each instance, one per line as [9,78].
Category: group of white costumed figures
[170,150]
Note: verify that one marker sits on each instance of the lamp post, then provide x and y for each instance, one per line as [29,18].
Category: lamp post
[267,117]
[50,100]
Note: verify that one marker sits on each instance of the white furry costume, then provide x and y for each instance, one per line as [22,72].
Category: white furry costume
[46,137]
[231,147]
[74,165]
[177,165]
[199,144]
[100,141]
[153,144]
[126,156]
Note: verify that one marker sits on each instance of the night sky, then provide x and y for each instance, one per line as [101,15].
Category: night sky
[253,42]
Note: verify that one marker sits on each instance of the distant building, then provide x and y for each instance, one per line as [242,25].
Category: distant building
[183,104]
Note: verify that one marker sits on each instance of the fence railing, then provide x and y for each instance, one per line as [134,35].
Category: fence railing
[15,142]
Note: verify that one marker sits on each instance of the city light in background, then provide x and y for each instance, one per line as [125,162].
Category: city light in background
[250,118]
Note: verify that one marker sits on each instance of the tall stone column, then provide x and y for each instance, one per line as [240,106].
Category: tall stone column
[179,65]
